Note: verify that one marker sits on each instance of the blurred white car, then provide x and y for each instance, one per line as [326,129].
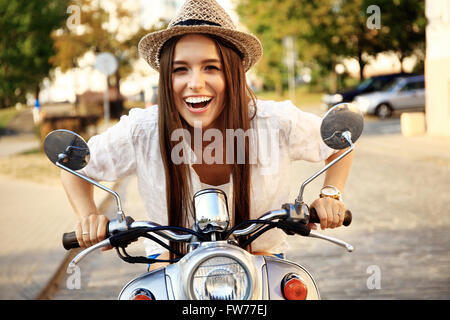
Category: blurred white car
[399,95]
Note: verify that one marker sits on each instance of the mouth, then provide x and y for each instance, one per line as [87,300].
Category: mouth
[197,104]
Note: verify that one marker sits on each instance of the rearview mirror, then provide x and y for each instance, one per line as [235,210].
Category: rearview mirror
[70,152]
[342,118]
[66,148]
[341,126]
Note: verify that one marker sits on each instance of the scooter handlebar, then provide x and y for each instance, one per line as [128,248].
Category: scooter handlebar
[70,241]
[314,218]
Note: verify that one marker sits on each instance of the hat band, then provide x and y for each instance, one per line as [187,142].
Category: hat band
[196,22]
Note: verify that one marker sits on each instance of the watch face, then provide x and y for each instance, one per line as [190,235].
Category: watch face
[329,191]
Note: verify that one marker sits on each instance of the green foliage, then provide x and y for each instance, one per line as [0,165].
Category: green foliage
[6,115]
[26,45]
[403,24]
[71,44]
[327,31]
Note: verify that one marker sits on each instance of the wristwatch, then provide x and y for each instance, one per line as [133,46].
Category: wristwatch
[330,191]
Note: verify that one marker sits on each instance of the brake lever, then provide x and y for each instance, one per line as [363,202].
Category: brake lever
[341,243]
[292,227]
[85,252]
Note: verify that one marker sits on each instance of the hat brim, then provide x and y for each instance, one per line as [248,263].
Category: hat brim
[150,45]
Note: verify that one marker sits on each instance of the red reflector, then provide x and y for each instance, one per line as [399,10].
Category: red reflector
[141,294]
[141,297]
[295,289]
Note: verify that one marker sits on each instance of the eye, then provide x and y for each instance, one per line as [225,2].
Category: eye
[179,69]
[212,67]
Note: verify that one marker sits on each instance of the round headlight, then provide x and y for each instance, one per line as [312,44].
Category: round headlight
[220,278]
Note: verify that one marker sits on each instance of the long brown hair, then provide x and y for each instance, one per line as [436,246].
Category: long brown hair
[235,115]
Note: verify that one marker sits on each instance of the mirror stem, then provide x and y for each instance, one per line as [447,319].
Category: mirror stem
[121,215]
[347,136]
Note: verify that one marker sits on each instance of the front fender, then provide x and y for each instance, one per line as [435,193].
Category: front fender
[277,268]
[154,281]
[268,272]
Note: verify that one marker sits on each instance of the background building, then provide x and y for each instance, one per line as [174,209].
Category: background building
[437,68]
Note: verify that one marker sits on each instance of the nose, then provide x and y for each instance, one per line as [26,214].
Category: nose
[196,81]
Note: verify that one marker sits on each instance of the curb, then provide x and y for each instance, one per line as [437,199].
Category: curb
[61,271]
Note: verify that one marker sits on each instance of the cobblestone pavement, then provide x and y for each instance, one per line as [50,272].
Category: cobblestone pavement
[30,230]
[399,193]
[34,217]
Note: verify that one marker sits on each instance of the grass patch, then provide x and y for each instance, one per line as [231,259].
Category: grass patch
[31,151]
[32,166]
[6,115]
[303,97]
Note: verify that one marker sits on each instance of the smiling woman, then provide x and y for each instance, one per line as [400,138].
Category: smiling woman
[198,80]
[196,68]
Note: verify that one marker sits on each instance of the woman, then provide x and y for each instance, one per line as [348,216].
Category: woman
[202,60]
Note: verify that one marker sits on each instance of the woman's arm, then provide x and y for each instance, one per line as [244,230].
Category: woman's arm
[91,227]
[330,211]
[337,174]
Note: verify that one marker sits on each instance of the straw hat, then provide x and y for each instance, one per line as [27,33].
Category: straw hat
[201,16]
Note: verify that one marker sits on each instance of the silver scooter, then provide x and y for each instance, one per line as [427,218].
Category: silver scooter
[216,267]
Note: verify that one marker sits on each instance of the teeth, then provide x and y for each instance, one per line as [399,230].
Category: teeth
[197,99]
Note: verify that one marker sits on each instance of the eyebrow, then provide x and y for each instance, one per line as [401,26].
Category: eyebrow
[203,61]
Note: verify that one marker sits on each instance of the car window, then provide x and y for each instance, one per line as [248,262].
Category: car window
[389,84]
[378,84]
[413,86]
[366,83]
[408,87]
[420,85]
[396,85]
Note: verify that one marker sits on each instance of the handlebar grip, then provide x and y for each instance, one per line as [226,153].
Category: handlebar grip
[70,241]
[315,219]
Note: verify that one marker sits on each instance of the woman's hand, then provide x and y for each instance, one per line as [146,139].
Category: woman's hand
[331,212]
[91,229]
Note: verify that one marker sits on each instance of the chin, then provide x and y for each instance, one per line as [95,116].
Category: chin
[199,123]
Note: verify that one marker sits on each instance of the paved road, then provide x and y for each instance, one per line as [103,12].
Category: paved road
[399,193]
[34,216]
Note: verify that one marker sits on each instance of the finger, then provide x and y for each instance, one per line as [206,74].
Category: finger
[327,212]
[336,214]
[102,227]
[343,210]
[93,226]
[312,226]
[85,231]
[78,231]
[323,216]
[107,248]
[330,214]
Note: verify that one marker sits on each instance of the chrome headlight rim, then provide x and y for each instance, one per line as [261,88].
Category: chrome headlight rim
[241,263]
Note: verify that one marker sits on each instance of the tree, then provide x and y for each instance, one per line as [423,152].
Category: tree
[26,45]
[269,21]
[95,34]
[403,25]
[327,31]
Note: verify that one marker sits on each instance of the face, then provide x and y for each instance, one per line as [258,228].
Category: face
[198,81]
